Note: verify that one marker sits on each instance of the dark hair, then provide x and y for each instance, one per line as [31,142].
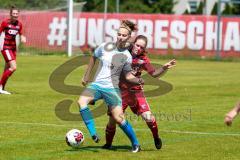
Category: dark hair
[13,7]
[130,26]
[141,37]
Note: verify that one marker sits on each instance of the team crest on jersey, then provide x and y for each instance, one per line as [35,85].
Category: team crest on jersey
[140,61]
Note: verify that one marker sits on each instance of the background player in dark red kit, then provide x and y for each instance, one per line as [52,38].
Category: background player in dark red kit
[133,96]
[11,27]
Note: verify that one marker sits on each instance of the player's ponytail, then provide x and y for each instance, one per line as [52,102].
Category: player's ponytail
[130,26]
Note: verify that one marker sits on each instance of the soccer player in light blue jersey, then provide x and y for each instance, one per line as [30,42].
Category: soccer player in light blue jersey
[114,60]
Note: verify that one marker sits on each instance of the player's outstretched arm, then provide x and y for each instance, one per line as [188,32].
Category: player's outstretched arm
[87,74]
[232,114]
[160,71]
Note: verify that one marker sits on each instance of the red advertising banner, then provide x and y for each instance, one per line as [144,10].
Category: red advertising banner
[167,34]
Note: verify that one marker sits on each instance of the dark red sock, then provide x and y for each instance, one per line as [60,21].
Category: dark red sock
[109,133]
[6,74]
[153,127]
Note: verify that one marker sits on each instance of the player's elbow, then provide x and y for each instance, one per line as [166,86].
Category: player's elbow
[154,74]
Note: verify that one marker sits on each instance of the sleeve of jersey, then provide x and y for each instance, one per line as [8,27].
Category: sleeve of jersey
[2,27]
[128,65]
[148,66]
[20,30]
[98,51]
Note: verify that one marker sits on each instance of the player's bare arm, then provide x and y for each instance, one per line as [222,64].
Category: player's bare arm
[232,114]
[23,39]
[132,79]
[87,74]
[160,71]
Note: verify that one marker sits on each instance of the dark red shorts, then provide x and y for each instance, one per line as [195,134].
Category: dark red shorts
[9,55]
[135,100]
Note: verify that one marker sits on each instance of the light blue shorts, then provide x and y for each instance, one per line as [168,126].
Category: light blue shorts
[111,96]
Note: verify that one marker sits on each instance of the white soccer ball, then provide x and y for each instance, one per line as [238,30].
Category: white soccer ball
[74,138]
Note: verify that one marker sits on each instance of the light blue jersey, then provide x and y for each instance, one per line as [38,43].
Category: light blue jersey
[112,63]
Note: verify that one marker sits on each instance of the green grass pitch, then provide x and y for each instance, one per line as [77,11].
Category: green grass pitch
[203,92]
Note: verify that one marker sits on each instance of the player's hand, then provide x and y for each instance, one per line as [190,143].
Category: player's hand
[23,39]
[228,120]
[134,72]
[141,81]
[170,64]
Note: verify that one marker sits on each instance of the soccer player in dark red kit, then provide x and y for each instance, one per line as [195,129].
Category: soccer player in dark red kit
[11,27]
[133,95]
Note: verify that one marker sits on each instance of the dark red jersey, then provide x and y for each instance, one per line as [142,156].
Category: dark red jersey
[139,63]
[11,29]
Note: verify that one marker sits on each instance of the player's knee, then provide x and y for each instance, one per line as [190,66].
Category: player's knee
[148,117]
[82,101]
[117,114]
[119,118]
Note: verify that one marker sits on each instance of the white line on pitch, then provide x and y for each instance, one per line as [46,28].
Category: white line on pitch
[137,129]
